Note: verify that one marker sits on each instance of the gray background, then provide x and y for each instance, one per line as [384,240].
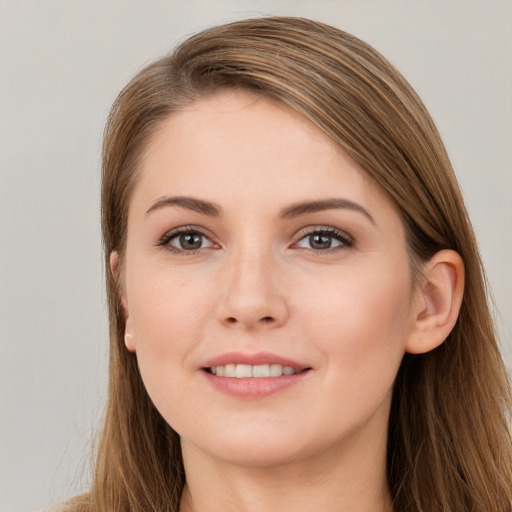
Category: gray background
[61,65]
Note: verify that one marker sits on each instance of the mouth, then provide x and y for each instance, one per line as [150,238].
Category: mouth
[247,371]
[253,376]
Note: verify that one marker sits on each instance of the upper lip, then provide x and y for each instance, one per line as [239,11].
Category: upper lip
[256,359]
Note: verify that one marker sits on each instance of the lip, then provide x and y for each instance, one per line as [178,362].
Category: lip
[254,388]
[254,360]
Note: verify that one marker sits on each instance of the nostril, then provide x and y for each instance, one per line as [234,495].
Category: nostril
[251,320]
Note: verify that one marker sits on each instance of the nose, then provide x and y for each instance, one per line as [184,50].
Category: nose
[252,294]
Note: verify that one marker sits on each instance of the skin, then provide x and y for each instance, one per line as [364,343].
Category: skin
[348,313]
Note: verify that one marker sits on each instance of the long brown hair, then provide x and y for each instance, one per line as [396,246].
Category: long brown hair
[449,446]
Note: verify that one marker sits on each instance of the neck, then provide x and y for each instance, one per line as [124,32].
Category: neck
[347,478]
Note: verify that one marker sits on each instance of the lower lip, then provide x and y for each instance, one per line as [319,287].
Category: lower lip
[254,387]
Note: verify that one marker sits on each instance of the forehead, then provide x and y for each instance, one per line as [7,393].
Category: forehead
[237,145]
[234,120]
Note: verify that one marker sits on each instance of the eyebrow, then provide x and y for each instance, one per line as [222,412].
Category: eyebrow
[290,212]
[190,203]
[297,209]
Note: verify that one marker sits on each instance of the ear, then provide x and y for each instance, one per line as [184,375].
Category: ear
[439,298]
[116,272]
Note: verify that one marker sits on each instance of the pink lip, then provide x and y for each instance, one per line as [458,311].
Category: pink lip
[253,388]
[253,360]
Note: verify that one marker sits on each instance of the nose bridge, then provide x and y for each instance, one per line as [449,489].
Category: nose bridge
[252,292]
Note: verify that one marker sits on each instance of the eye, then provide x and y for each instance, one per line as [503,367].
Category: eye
[185,240]
[323,239]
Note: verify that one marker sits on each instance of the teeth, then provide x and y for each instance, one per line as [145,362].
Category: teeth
[242,371]
[245,371]
[288,371]
[229,370]
[262,370]
[276,370]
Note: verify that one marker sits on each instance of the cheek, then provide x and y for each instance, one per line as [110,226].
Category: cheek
[166,315]
[166,312]
[360,323]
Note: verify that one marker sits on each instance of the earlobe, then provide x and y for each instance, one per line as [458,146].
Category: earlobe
[129,339]
[438,308]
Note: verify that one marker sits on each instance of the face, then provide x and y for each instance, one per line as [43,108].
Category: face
[266,285]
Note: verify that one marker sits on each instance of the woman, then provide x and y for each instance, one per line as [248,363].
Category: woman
[297,304]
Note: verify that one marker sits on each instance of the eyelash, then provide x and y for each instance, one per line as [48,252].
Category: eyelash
[345,240]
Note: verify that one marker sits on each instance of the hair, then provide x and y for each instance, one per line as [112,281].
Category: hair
[449,444]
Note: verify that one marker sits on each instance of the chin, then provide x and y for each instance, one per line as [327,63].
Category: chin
[263,445]
[257,454]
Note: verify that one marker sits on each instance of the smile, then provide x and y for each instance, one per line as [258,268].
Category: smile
[253,376]
[247,371]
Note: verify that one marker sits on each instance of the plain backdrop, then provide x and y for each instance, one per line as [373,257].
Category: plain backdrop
[61,65]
